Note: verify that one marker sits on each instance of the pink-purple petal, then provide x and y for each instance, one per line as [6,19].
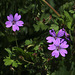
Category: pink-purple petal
[61,40]
[60,33]
[64,45]
[15,27]
[19,23]
[67,38]
[8,24]
[55,53]
[66,34]
[57,42]
[10,17]
[17,17]
[52,32]
[52,47]
[63,52]
[50,39]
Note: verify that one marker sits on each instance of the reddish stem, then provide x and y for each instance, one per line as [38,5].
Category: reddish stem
[52,8]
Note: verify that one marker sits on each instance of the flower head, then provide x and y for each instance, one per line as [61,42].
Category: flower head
[54,36]
[14,22]
[59,46]
[60,33]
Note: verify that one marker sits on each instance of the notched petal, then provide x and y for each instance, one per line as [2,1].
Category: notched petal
[17,17]
[50,39]
[19,23]
[52,47]
[8,24]
[10,17]
[52,32]
[63,52]
[64,44]
[55,53]
[15,27]
[60,33]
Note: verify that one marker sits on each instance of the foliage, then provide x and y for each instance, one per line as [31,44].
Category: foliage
[25,51]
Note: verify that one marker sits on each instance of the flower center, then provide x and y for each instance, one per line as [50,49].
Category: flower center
[58,47]
[55,37]
[13,22]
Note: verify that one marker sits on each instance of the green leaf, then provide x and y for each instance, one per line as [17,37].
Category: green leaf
[36,27]
[22,10]
[69,24]
[62,20]
[71,11]
[14,64]
[62,71]
[66,6]
[43,26]
[67,15]
[18,50]
[69,19]
[28,42]
[8,50]
[36,47]
[29,46]
[74,16]
[44,16]
[55,27]
[7,61]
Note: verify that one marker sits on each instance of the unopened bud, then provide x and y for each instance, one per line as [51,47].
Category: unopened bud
[48,59]
[43,20]
[34,54]
[11,68]
[37,18]
[21,57]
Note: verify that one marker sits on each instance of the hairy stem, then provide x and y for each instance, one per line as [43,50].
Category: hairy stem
[28,61]
[16,40]
[52,8]
[22,58]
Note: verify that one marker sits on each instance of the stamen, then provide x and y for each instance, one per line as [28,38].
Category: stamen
[13,22]
[58,47]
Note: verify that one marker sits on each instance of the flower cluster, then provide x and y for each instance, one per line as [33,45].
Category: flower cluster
[14,22]
[59,44]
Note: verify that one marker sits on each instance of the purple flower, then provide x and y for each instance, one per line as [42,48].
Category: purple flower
[14,22]
[59,46]
[52,32]
[66,34]
[60,33]
[50,39]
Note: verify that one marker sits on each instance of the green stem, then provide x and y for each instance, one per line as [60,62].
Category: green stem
[28,61]
[22,58]
[16,40]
